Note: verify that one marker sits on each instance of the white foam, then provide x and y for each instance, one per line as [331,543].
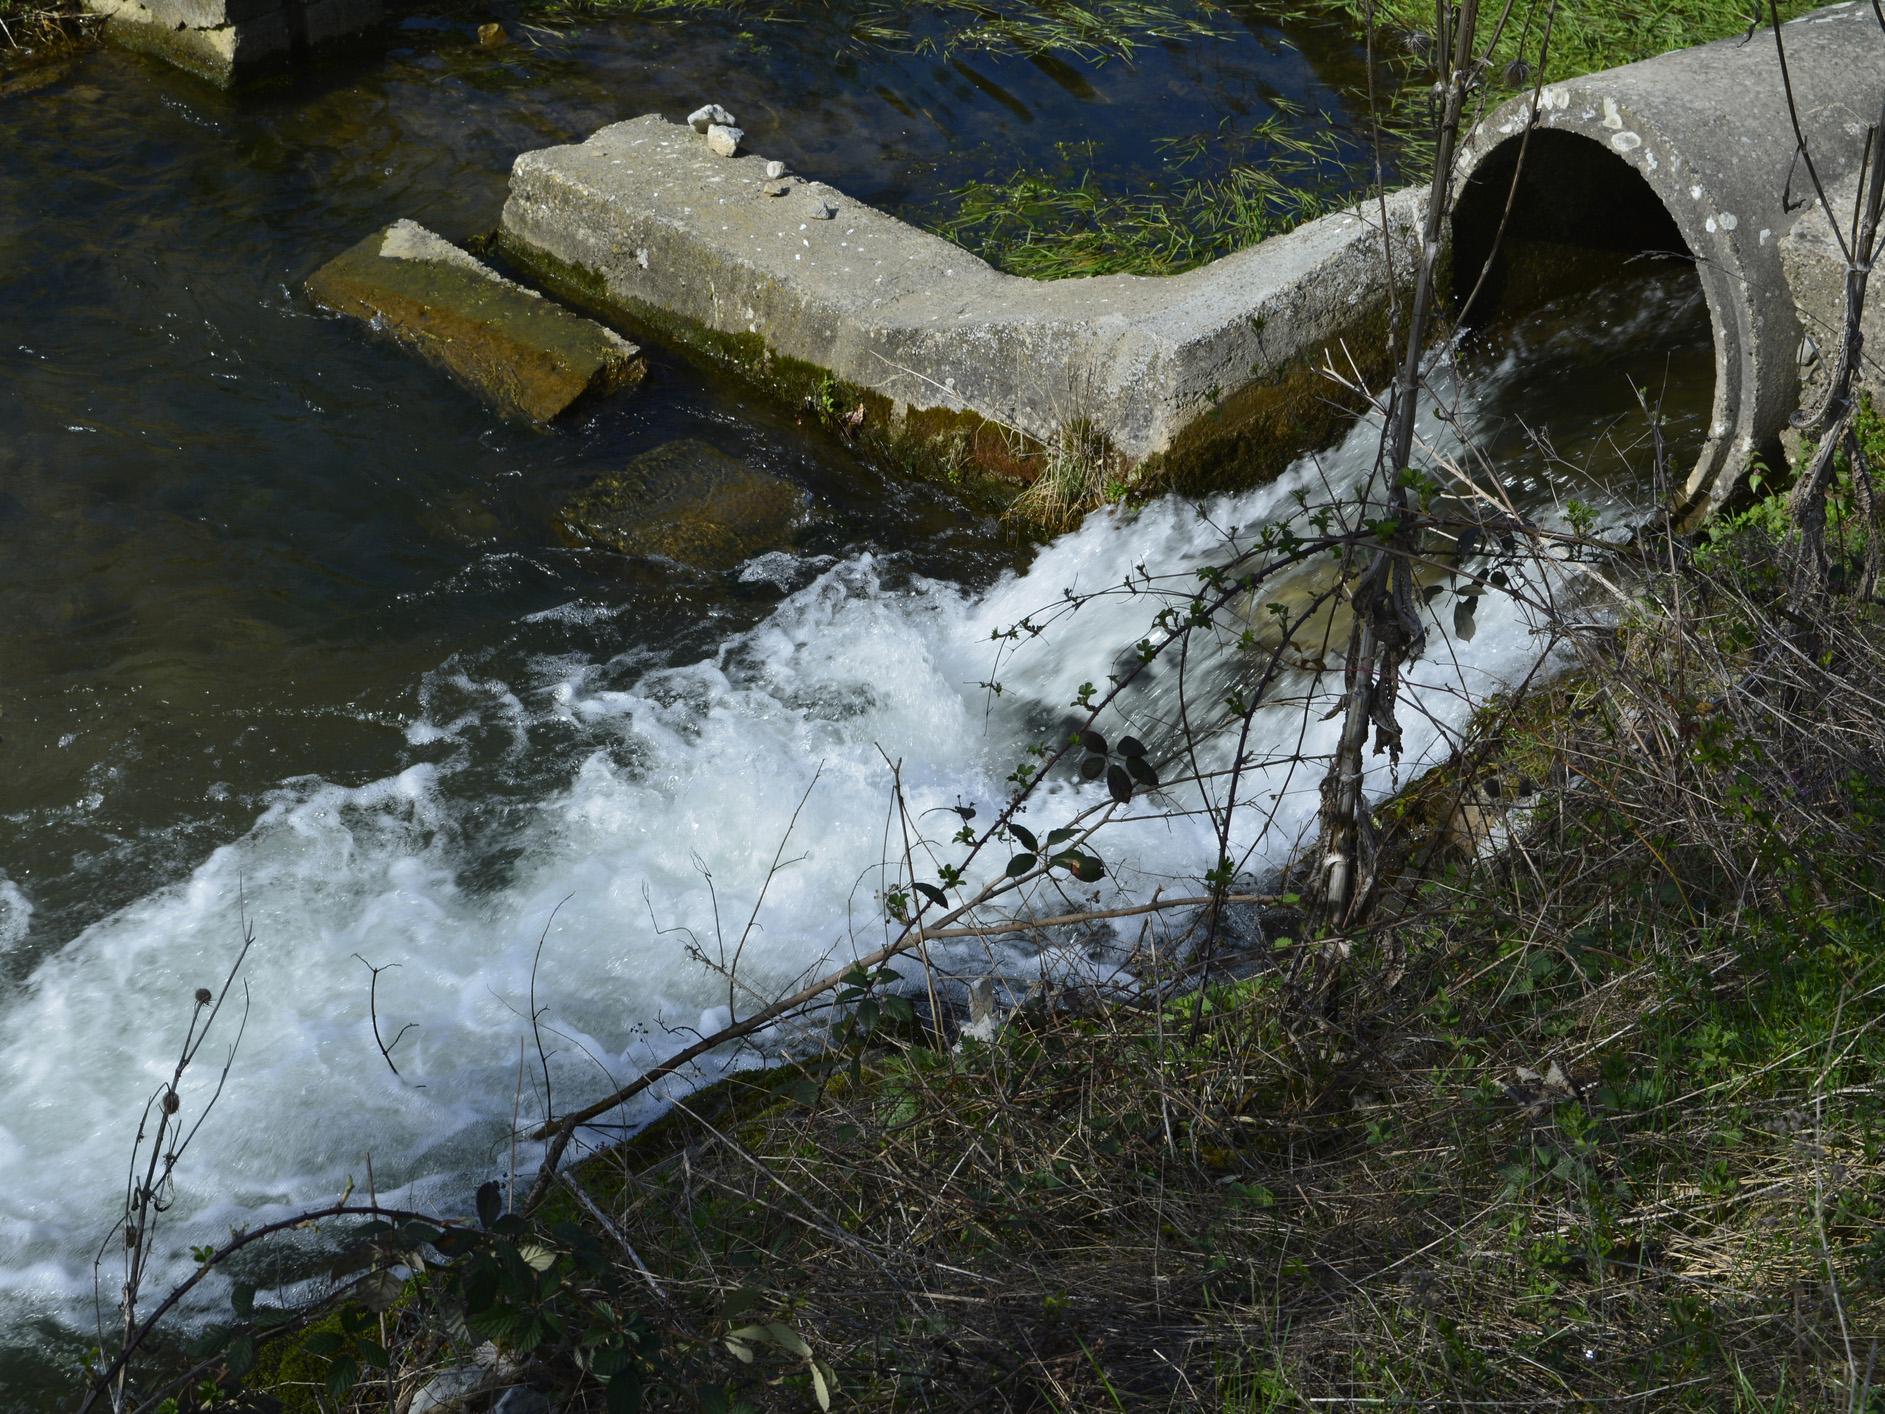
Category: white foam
[682,776]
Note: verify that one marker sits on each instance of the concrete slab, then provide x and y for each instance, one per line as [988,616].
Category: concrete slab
[523,354]
[648,227]
[227,41]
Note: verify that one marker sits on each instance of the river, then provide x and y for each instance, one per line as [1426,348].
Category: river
[289,641]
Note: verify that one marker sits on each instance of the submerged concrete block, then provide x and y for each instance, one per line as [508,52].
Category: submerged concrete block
[227,41]
[644,223]
[688,502]
[523,354]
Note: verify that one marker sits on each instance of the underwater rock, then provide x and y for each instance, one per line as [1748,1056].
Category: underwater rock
[525,355]
[685,501]
[705,117]
[723,139]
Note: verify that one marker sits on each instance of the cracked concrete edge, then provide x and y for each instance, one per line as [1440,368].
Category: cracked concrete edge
[656,228]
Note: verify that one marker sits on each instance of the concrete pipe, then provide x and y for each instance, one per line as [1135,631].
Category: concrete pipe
[1691,153]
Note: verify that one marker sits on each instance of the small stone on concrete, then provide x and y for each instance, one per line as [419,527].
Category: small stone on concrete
[821,212]
[775,188]
[775,170]
[724,140]
[705,117]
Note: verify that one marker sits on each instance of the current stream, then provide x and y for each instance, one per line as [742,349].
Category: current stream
[287,635]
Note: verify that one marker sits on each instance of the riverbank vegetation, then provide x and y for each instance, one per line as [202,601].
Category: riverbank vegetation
[1589,1118]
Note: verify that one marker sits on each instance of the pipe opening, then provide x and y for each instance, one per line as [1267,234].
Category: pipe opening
[1589,290]
[1581,215]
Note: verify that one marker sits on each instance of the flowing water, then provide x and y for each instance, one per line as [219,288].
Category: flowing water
[287,637]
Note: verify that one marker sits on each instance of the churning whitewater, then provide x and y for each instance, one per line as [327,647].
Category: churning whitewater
[677,790]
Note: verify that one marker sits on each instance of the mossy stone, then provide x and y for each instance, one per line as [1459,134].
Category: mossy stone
[685,501]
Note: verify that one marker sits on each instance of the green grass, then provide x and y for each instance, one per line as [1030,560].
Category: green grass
[1093,32]
[1584,34]
[1059,221]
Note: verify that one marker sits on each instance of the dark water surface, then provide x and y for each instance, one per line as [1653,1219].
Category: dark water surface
[233,531]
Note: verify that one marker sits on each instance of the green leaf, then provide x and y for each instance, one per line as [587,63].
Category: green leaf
[1092,768]
[1020,865]
[240,1356]
[342,1376]
[625,1392]
[381,1289]
[242,1299]
[821,1386]
[790,1340]
[1142,771]
[933,894]
[490,1203]
[322,1343]
[1093,742]
[1118,784]
[1083,867]
[1131,747]
[1061,836]
[1026,836]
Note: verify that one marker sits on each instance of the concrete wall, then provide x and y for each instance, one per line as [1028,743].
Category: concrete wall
[645,223]
[226,41]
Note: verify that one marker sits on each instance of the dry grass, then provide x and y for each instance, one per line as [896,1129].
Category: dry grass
[1591,1122]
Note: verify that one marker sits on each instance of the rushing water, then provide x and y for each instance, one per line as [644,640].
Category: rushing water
[287,636]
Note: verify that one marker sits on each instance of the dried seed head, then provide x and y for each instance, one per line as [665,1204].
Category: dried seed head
[1518,73]
[203,997]
[1417,41]
[171,1102]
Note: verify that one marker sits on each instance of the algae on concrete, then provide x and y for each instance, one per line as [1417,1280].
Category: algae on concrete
[525,355]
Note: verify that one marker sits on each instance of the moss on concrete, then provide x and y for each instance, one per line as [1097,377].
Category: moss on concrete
[524,355]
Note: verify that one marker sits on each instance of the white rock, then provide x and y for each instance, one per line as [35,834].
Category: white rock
[723,139]
[704,118]
[822,212]
[775,170]
[449,1390]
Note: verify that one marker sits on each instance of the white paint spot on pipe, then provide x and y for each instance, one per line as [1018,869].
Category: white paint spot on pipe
[1626,142]
[1612,118]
